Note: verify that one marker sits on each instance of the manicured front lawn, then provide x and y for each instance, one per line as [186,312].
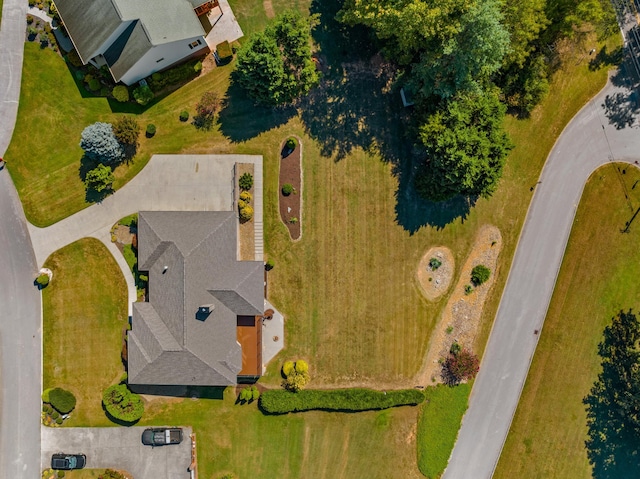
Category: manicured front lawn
[599,277]
[85,311]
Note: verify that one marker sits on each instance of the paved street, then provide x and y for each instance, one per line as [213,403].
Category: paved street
[119,448]
[605,129]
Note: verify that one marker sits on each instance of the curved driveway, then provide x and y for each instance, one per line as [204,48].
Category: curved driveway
[602,131]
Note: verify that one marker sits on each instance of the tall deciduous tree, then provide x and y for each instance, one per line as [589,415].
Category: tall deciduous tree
[466,147]
[613,404]
[275,66]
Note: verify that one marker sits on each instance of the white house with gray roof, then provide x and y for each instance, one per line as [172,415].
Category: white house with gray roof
[201,301]
[135,38]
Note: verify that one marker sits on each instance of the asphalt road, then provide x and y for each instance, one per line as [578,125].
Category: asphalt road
[20,308]
[119,448]
[604,130]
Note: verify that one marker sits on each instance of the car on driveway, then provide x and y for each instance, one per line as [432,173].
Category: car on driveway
[67,462]
[162,436]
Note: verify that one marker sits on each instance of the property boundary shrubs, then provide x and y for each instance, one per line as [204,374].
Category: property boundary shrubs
[341,400]
[122,405]
[62,400]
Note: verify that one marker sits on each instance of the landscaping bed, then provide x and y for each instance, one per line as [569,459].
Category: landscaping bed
[246,229]
[290,186]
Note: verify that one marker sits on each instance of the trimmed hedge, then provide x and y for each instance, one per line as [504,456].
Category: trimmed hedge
[62,400]
[341,400]
[122,404]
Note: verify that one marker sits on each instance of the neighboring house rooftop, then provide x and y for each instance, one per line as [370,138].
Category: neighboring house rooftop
[133,26]
[192,262]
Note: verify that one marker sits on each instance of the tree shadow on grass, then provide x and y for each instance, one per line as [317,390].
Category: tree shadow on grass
[241,118]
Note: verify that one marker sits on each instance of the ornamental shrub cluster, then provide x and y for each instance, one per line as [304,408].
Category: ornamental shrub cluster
[296,375]
[249,394]
[342,400]
[175,75]
[245,210]
[62,400]
[122,404]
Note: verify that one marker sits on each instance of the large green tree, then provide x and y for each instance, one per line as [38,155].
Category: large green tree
[275,66]
[450,45]
[466,147]
[613,404]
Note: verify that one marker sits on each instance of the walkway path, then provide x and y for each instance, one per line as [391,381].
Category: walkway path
[20,328]
[604,130]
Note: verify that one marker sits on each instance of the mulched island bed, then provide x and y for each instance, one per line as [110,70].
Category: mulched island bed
[291,174]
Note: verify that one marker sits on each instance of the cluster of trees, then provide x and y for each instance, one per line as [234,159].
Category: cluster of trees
[106,145]
[275,66]
[466,61]
[613,404]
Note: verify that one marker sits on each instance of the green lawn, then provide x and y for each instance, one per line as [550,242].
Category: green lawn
[82,336]
[599,277]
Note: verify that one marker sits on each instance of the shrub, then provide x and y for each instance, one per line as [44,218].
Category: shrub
[224,54]
[184,115]
[44,40]
[93,84]
[255,394]
[301,366]
[246,181]
[151,130]
[480,274]
[352,400]
[435,263]
[59,420]
[111,474]
[62,400]
[468,289]
[143,94]
[287,189]
[29,19]
[246,196]
[55,415]
[42,281]
[241,204]
[60,474]
[460,366]
[287,368]
[126,130]
[270,264]
[206,110]
[455,348]
[32,32]
[120,93]
[121,404]
[100,144]
[99,179]
[197,67]
[246,213]
[292,143]
[245,394]
[293,220]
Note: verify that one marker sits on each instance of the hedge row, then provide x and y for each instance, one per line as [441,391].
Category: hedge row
[345,400]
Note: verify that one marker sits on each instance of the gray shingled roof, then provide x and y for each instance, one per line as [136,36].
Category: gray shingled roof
[128,48]
[192,261]
[90,23]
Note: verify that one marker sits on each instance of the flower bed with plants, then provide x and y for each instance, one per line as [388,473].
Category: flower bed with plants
[290,186]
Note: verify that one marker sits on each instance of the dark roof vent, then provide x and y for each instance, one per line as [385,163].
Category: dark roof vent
[204,311]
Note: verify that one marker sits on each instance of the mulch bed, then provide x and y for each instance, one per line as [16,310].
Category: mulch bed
[291,206]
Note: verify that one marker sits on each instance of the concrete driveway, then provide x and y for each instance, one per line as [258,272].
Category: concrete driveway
[119,448]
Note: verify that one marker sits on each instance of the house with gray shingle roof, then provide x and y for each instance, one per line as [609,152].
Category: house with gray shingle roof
[135,38]
[201,298]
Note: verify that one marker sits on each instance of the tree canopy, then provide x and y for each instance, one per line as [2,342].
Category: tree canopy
[466,147]
[100,144]
[275,66]
[613,404]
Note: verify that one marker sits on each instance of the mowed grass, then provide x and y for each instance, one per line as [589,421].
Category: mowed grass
[85,310]
[598,278]
[438,424]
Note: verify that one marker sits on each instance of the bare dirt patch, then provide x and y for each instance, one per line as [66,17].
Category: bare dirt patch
[268,8]
[460,320]
[124,234]
[435,282]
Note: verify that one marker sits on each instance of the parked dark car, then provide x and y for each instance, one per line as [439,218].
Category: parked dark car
[161,436]
[68,461]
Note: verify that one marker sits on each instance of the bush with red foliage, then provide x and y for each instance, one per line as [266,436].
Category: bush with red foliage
[460,366]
